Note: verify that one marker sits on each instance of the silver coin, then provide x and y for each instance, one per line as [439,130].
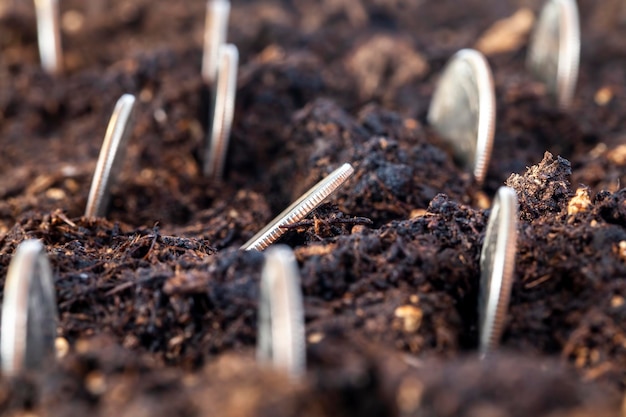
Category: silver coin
[281,335]
[215,29]
[223,110]
[49,35]
[111,157]
[554,50]
[463,110]
[29,311]
[497,264]
[300,208]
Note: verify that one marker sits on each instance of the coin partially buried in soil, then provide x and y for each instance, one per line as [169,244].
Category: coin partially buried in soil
[111,156]
[463,110]
[300,208]
[497,263]
[215,31]
[29,311]
[281,339]
[223,110]
[554,50]
[49,36]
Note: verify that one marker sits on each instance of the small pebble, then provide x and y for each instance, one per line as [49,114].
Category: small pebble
[62,347]
[507,35]
[412,317]
[95,383]
[617,155]
[315,338]
[72,21]
[617,301]
[160,116]
[55,194]
[580,202]
[621,250]
[603,96]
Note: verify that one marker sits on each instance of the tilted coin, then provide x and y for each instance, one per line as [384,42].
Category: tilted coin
[49,35]
[215,29]
[223,109]
[497,264]
[29,311]
[300,208]
[554,50]
[463,110]
[281,338]
[111,157]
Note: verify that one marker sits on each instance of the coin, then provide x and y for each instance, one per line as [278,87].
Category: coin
[215,29]
[300,208]
[223,109]
[554,50]
[281,338]
[111,157]
[497,264]
[463,110]
[29,311]
[49,35]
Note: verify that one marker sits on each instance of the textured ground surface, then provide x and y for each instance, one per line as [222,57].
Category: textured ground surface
[158,306]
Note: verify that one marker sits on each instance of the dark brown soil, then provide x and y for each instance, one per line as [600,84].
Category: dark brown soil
[157,303]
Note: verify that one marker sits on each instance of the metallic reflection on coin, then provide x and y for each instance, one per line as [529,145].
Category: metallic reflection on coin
[49,35]
[215,29]
[554,50]
[223,110]
[497,264]
[111,157]
[29,311]
[281,338]
[300,208]
[463,110]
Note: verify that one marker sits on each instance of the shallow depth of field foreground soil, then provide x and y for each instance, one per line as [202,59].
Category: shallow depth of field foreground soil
[157,305]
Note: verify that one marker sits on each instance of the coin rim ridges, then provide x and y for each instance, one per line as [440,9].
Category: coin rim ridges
[300,208]
[496,305]
[485,131]
[486,113]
